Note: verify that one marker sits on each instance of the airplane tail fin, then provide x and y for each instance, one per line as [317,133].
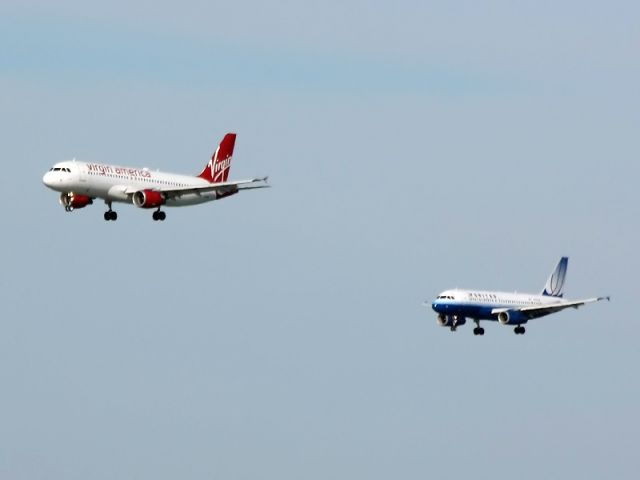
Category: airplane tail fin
[555,283]
[217,170]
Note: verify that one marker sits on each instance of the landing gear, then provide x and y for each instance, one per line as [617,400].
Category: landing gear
[159,215]
[519,330]
[110,214]
[478,330]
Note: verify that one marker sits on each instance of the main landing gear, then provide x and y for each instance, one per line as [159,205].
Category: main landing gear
[519,330]
[110,214]
[478,330]
[159,215]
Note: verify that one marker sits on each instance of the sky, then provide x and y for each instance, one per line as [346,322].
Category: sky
[412,147]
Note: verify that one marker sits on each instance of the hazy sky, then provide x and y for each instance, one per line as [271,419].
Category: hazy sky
[412,147]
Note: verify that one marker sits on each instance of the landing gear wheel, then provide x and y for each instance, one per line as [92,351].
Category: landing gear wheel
[159,215]
[110,214]
[478,330]
[519,330]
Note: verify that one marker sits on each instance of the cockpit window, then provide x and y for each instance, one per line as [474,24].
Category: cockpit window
[60,169]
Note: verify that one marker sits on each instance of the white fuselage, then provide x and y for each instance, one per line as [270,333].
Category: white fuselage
[455,306]
[480,304]
[112,182]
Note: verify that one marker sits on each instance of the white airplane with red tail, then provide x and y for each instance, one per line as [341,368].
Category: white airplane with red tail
[80,183]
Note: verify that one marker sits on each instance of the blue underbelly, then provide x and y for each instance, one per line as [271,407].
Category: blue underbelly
[480,312]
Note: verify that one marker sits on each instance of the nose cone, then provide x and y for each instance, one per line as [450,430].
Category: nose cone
[438,306]
[47,180]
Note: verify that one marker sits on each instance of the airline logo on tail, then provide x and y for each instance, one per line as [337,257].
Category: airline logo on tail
[221,170]
[555,283]
[218,168]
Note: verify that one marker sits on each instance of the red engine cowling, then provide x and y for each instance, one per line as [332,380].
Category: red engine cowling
[71,201]
[148,199]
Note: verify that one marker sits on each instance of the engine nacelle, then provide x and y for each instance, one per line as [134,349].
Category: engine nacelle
[511,318]
[71,200]
[451,320]
[148,199]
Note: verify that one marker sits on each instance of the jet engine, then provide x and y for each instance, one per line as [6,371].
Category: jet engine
[71,201]
[451,320]
[511,318]
[148,199]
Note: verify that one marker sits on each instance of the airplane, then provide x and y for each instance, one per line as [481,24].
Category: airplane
[455,306]
[80,183]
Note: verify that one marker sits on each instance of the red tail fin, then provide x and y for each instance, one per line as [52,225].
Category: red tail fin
[217,170]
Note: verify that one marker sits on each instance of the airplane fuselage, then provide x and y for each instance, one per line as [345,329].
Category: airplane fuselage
[80,183]
[111,182]
[481,305]
[454,307]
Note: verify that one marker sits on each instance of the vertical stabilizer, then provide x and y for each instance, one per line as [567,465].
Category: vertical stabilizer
[555,283]
[217,170]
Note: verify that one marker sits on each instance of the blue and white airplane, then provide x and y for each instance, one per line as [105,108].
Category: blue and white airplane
[455,306]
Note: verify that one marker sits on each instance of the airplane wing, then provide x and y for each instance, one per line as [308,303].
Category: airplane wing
[542,310]
[223,188]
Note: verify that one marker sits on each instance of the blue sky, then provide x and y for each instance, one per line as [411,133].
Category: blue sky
[412,148]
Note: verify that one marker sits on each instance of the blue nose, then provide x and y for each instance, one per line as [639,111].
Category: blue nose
[439,306]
